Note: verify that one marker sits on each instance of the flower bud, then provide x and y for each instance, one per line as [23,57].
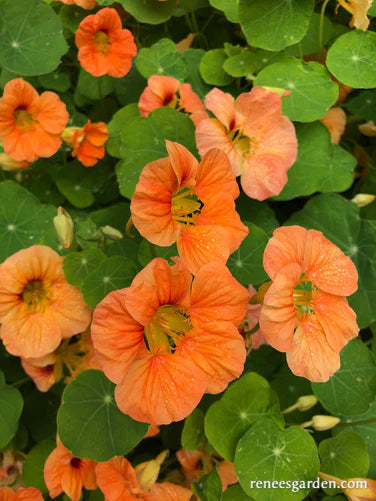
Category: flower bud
[306,402]
[111,233]
[147,472]
[363,199]
[368,129]
[67,135]
[9,164]
[322,423]
[64,227]
[364,489]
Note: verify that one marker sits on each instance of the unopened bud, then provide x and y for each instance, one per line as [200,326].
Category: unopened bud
[64,227]
[322,423]
[368,129]
[9,164]
[147,472]
[363,199]
[306,402]
[111,233]
[67,135]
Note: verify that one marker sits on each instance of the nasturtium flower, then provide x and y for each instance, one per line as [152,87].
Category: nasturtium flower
[358,9]
[38,307]
[166,340]
[305,311]
[259,141]
[30,124]
[253,335]
[168,91]
[64,472]
[8,163]
[22,494]
[87,142]
[104,47]
[179,200]
[84,4]
[355,489]
[335,121]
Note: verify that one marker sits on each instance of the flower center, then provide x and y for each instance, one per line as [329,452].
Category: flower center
[23,119]
[241,142]
[102,41]
[303,296]
[168,324]
[185,207]
[35,296]
[75,462]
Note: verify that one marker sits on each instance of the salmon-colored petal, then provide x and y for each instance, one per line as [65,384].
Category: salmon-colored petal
[335,122]
[328,267]
[286,246]
[155,389]
[219,351]
[217,296]
[50,112]
[92,61]
[226,472]
[183,163]
[156,285]
[191,103]
[311,356]
[116,478]
[222,105]
[149,101]
[278,318]
[168,492]
[163,86]
[41,370]
[71,483]
[24,91]
[215,175]
[336,318]
[116,335]
[26,494]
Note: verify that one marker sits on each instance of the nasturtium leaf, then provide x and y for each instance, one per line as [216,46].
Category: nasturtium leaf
[268,453]
[75,183]
[230,8]
[356,378]
[147,11]
[161,124]
[235,493]
[340,222]
[77,266]
[90,424]
[192,57]
[31,37]
[148,251]
[11,403]
[247,63]
[246,263]
[32,470]
[115,272]
[260,213]
[311,41]
[211,68]
[71,16]
[344,456]
[312,91]
[274,24]
[193,434]
[117,126]
[86,233]
[94,88]
[243,403]
[209,487]
[23,219]
[266,361]
[39,404]
[59,81]
[363,105]
[162,58]
[352,59]
[339,170]
[129,88]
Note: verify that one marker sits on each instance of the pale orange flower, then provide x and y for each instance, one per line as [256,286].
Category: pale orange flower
[257,338]
[104,48]
[368,128]
[191,463]
[38,307]
[8,163]
[23,494]
[87,142]
[84,4]
[305,311]
[65,473]
[118,481]
[168,91]
[30,124]
[44,371]
[259,141]
[355,489]
[226,472]
[358,9]
[166,333]
[335,121]
[179,200]
[152,431]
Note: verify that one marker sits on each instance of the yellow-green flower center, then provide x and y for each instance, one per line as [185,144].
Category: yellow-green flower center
[185,207]
[168,324]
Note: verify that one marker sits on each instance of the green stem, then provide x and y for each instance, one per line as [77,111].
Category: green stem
[321,27]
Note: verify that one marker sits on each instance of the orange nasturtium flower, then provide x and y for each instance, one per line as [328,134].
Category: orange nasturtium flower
[104,48]
[168,91]
[38,307]
[179,200]
[335,122]
[166,340]
[259,141]
[23,494]
[65,473]
[305,311]
[119,481]
[87,142]
[85,4]
[358,9]
[30,124]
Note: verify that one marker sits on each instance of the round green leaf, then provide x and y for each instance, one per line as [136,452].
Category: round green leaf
[162,58]
[339,170]
[192,57]
[77,266]
[229,7]
[268,453]
[31,37]
[193,435]
[352,59]
[209,487]
[11,403]
[117,125]
[243,403]
[211,68]
[248,63]
[312,92]
[274,24]
[356,378]
[363,105]
[311,42]
[90,424]
[94,88]
[147,11]
[148,251]
[235,493]
[32,470]
[246,263]
[113,273]
[58,80]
